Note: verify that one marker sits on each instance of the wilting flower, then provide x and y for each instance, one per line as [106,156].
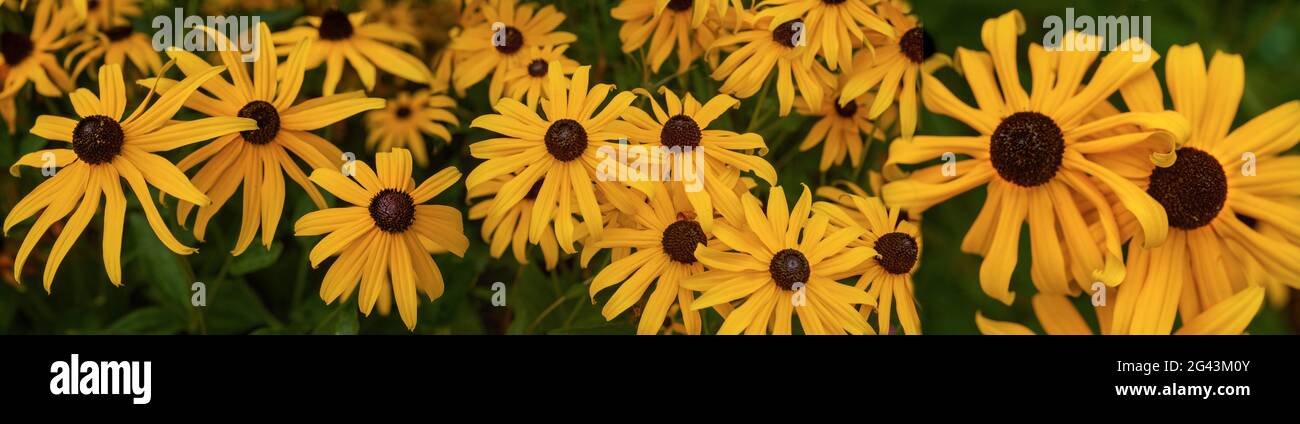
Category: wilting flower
[406,119]
[105,147]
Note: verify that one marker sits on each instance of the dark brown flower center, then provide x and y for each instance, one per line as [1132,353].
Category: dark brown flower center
[788,267]
[680,131]
[846,110]
[566,139]
[896,252]
[15,47]
[403,112]
[392,210]
[680,239]
[917,45]
[680,5]
[118,33]
[786,32]
[1026,148]
[537,68]
[268,122]
[97,139]
[334,25]
[1192,190]
[514,40]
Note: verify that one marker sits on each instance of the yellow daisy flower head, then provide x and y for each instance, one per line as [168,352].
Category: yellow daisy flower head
[663,241]
[671,25]
[407,118]
[105,146]
[887,277]
[1032,152]
[1224,185]
[528,84]
[29,56]
[337,36]
[259,159]
[683,126]
[785,263]
[512,228]
[560,150]
[841,128]
[1059,317]
[100,15]
[115,45]
[894,66]
[385,236]
[500,42]
[832,27]
[767,47]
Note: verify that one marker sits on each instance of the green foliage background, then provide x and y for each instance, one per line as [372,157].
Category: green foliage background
[275,291]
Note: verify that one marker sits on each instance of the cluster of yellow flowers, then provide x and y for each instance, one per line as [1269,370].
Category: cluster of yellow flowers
[1209,214]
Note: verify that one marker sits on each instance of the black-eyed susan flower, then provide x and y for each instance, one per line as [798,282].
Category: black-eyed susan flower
[894,67]
[669,26]
[98,15]
[498,44]
[663,242]
[785,263]
[1032,152]
[830,27]
[338,36]
[443,61]
[707,161]
[385,236]
[105,146]
[406,119]
[1059,317]
[767,47]
[560,150]
[1223,183]
[29,56]
[258,160]
[512,228]
[841,128]
[887,277]
[116,45]
[527,84]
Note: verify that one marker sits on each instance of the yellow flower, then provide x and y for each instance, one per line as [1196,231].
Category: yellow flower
[386,235]
[254,159]
[780,273]
[527,84]
[841,128]
[115,46]
[887,277]
[897,62]
[683,126]
[559,150]
[406,118]
[767,46]
[1032,152]
[29,57]
[1222,182]
[1058,317]
[664,242]
[832,27]
[511,229]
[98,15]
[493,45]
[337,36]
[670,25]
[104,147]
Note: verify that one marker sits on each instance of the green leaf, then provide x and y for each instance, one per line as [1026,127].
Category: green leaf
[255,258]
[147,320]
